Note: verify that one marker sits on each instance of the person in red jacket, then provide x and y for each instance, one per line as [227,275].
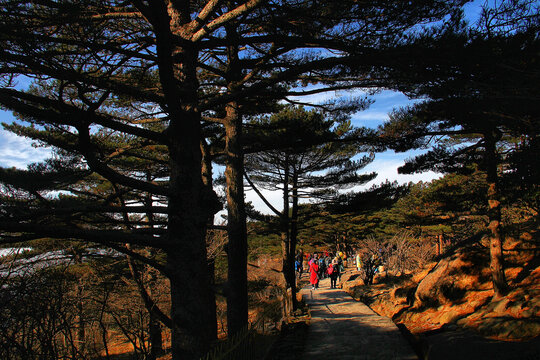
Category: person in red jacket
[314,274]
[333,271]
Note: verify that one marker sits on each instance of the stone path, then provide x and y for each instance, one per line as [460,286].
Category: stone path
[342,328]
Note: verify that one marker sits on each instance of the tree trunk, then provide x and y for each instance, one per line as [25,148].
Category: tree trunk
[80,319]
[191,204]
[288,266]
[237,305]
[206,172]
[81,325]
[500,286]
[154,327]
[237,294]
[156,340]
[293,238]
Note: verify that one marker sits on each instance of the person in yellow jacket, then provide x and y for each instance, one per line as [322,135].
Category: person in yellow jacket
[358,262]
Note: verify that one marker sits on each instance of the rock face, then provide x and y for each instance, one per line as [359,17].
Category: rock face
[457,291]
[453,277]
[430,288]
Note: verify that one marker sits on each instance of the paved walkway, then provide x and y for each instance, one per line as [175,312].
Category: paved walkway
[345,329]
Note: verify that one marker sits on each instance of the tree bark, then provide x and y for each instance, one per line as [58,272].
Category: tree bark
[191,204]
[154,327]
[155,337]
[237,293]
[288,266]
[500,286]
[237,304]
[192,311]
[81,324]
[206,172]
[293,238]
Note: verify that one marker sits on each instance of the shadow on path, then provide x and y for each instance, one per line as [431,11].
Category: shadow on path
[342,328]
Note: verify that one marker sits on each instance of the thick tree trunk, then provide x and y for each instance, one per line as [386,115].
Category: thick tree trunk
[190,205]
[500,286]
[190,202]
[237,304]
[237,293]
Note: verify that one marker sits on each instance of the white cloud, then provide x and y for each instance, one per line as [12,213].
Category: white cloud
[274,197]
[368,115]
[16,151]
[386,165]
[314,98]
[387,171]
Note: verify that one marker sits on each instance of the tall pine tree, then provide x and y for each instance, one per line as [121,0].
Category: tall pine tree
[312,160]
[481,86]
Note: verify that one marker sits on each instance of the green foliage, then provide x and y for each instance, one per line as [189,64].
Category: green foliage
[315,149]
[453,205]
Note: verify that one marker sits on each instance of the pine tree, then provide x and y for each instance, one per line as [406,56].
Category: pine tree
[481,98]
[109,66]
[302,171]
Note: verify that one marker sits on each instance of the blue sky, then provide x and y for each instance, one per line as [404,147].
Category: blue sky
[386,163]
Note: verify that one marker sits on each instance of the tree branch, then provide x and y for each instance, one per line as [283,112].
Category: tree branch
[261,196]
[225,18]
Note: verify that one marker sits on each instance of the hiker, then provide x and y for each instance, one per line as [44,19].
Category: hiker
[322,268]
[340,267]
[314,275]
[299,263]
[328,260]
[358,262]
[298,268]
[333,272]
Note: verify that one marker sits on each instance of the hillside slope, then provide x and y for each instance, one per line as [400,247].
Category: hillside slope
[449,305]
